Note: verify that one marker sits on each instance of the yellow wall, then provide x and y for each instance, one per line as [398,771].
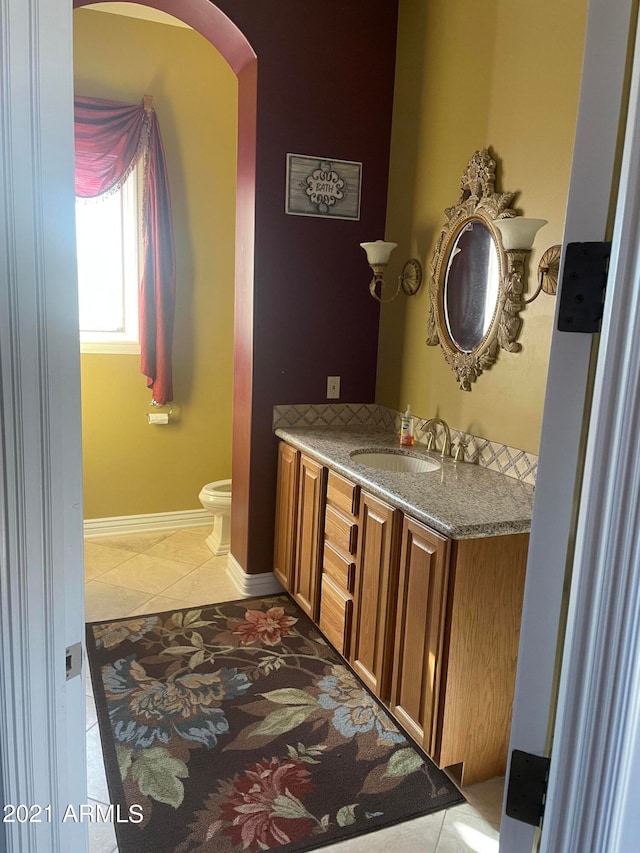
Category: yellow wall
[129,466]
[494,73]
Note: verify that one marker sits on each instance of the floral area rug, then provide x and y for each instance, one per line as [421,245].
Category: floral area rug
[237,727]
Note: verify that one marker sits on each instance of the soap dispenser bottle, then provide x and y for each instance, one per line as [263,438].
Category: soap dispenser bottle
[406,429]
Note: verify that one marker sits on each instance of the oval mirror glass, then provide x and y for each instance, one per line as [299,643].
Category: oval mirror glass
[471,285]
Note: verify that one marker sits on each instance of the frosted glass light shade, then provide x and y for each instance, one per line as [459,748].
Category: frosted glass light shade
[518,233]
[379,251]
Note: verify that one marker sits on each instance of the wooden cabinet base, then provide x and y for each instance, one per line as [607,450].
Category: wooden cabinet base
[431,625]
[456,646]
[486,593]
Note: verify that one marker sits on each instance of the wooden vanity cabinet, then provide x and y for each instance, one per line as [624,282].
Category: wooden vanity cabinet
[431,625]
[456,646]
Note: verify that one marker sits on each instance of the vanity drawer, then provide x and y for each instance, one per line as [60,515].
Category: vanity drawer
[340,569]
[342,494]
[340,531]
[336,610]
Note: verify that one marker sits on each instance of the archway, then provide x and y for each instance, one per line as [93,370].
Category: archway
[227,38]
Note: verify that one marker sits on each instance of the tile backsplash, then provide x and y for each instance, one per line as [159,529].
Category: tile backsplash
[477,450]
[333,415]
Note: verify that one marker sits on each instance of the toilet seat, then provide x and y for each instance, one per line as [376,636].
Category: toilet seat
[220,489]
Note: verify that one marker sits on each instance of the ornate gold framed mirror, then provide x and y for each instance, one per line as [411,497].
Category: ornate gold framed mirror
[476,287]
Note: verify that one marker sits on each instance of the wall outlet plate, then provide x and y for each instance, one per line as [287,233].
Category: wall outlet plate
[333,387]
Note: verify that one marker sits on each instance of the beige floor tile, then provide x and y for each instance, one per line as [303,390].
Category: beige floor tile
[100,558]
[136,542]
[203,586]
[221,580]
[466,833]
[96,778]
[218,565]
[184,546]
[88,683]
[485,800]
[159,604]
[225,592]
[146,573]
[201,532]
[413,836]
[102,836]
[106,601]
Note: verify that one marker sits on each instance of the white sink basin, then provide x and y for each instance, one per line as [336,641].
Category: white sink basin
[394,461]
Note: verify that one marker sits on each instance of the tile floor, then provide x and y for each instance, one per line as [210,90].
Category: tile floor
[150,572]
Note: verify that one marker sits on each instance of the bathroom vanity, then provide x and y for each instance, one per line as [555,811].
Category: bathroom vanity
[416,579]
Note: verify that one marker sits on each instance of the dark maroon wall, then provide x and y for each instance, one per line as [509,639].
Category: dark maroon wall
[325,88]
[325,74]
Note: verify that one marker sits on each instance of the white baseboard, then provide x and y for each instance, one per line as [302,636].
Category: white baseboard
[96,527]
[250,585]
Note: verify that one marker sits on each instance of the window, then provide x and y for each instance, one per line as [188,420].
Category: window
[108,241]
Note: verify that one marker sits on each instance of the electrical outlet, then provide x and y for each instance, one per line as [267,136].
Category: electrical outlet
[333,387]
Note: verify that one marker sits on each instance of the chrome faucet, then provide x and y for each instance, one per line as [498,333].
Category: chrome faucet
[430,427]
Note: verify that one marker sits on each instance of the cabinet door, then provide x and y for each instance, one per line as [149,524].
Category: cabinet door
[420,627]
[311,496]
[487,587]
[375,594]
[286,514]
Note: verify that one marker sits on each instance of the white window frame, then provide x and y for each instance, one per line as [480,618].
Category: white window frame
[127,340]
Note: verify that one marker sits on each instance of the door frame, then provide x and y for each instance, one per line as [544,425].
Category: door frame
[559,555]
[597,731]
[42,754]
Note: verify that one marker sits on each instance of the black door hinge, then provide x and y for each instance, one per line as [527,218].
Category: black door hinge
[584,282]
[528,779]
[73,660]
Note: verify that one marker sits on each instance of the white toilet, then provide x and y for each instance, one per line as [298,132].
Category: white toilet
[216,499]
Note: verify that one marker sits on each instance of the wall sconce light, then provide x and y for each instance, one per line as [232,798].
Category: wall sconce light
[378,254]
[548,270]
[518,234]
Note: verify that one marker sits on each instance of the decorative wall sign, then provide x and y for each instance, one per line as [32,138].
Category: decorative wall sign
[320,187]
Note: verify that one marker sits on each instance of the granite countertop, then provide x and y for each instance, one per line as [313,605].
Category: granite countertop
[459,500]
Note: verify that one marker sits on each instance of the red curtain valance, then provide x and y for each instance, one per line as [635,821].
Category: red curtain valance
[110,137]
